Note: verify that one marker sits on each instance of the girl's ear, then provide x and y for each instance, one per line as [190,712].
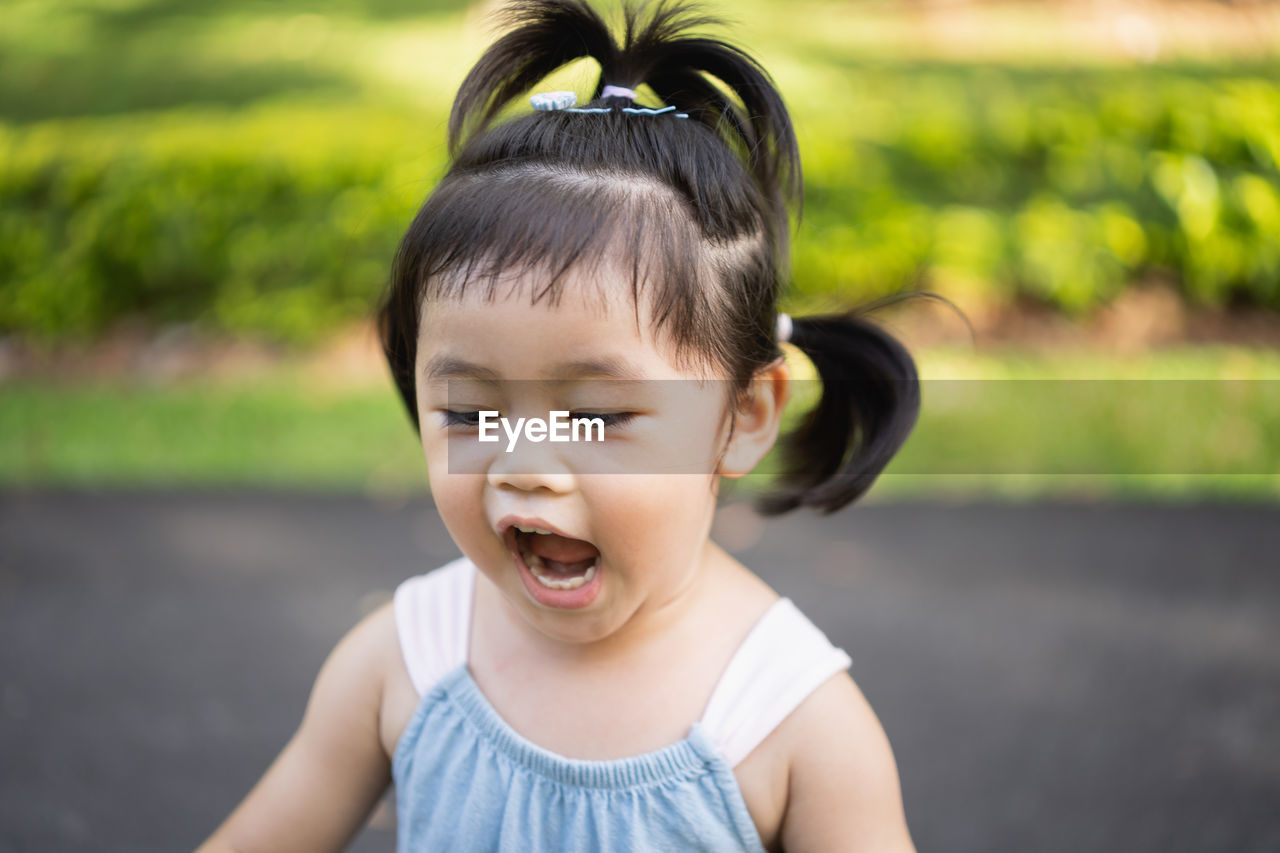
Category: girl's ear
[757,420]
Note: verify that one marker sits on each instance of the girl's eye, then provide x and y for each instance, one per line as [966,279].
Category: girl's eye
[610,419]
[452,418]
[472,419]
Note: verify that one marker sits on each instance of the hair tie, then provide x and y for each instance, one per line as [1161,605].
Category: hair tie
[564,102]
[618,92]
[784,328]
[553,100]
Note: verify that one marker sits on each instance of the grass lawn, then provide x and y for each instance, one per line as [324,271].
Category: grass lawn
[1172,425]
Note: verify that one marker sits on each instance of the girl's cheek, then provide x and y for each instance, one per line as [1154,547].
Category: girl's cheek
[463,517]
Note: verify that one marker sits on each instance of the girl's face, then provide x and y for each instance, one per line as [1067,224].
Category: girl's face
[616,504]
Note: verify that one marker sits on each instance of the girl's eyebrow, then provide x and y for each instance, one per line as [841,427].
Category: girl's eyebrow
[448,367]
[609,367]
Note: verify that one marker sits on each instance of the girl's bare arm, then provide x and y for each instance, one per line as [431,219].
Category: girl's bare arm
[322,786]
[844,792]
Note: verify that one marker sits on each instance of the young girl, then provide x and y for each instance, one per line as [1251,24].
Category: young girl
[593,673]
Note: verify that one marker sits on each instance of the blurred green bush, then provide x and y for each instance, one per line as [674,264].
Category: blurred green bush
[1058,186]
[281,220]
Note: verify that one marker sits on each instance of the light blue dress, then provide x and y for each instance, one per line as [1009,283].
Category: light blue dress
[466,781]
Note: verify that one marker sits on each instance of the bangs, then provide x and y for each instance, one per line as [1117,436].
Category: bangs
[570,225]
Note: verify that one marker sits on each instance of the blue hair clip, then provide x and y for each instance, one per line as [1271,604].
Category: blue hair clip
[564,102]
[553,100]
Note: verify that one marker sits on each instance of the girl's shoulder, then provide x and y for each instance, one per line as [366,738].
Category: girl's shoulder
[422,634]
[807,748]
[841,777]
[375,648]
[793,714]
[843,785]
[782,663]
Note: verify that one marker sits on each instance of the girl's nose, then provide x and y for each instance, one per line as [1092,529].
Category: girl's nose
[530,469]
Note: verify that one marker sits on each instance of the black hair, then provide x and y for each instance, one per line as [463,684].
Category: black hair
[696,210]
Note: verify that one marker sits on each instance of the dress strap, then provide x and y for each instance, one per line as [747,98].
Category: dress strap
[433,621]
[783,659]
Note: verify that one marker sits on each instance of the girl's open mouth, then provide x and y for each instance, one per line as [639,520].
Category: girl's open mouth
[556,561]
[558,571]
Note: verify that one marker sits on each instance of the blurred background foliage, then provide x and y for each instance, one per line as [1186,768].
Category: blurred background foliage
[247,167]
[250,166]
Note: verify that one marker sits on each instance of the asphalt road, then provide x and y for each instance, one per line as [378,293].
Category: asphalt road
[1052,677]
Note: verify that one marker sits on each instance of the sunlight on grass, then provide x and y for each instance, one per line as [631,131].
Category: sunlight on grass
[271,433]
[1016,435]
[1199,362]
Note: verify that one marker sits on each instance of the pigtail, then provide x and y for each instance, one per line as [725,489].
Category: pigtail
[676,66]
[544,35]
[869,405]
[547,34]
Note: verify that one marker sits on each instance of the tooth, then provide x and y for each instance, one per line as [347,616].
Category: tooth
[524,529]
[535,565]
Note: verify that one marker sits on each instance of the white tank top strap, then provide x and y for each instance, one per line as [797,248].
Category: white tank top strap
[433,621]
[783,659]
